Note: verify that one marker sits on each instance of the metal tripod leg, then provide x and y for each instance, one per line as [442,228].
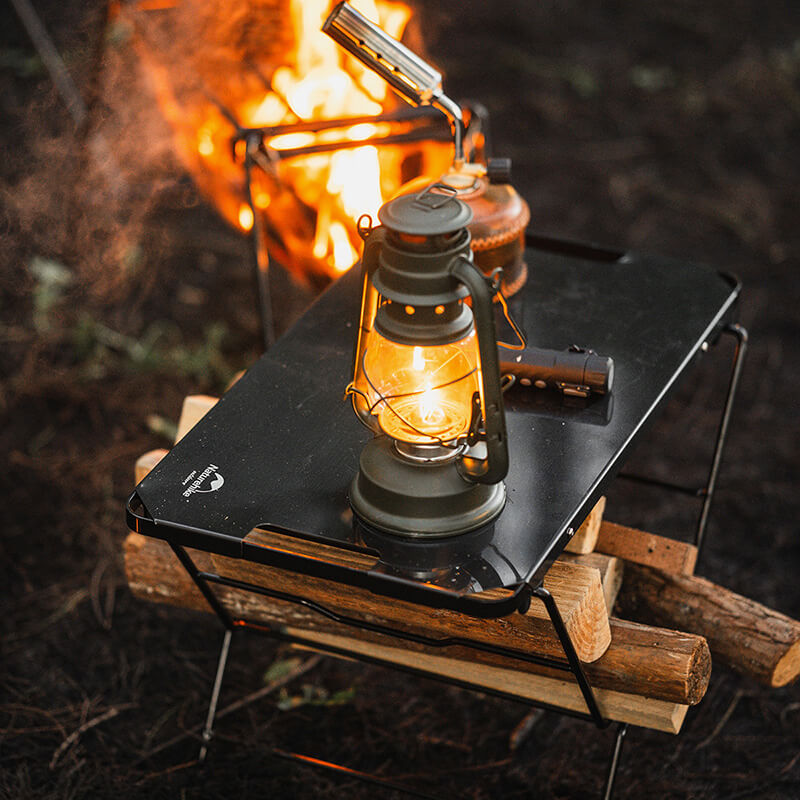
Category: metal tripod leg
[208,730]
[722,432]
[613,764]
[227,621]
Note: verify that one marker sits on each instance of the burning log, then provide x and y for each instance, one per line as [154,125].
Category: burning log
[261,72]
[747,636]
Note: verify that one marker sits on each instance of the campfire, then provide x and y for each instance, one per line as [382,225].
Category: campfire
[271,118]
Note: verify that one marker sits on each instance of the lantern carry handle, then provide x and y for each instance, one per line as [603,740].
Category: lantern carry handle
[373,239]
[495,467]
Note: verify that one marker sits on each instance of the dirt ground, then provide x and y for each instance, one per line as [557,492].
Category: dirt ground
[665,127]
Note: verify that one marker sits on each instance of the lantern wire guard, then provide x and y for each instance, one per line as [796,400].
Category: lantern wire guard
[426,375]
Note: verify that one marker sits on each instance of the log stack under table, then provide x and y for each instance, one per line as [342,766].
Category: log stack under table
[646,670]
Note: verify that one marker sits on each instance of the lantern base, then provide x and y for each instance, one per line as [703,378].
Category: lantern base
[419,500]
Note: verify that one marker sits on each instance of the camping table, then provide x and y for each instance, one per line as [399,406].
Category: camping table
[281,447]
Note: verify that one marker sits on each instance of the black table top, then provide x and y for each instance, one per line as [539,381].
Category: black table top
[287,443]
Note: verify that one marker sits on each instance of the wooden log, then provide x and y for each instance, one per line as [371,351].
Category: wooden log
[646,712]
[195,407]
[577,590]
[585,537]
[645,548]
[641,660]
[146,462]
[660,664]
[611,571]
[749,637]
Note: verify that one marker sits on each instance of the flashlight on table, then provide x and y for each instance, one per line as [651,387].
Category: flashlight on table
[576,371]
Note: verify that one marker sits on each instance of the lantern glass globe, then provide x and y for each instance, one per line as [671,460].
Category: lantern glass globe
[422,394]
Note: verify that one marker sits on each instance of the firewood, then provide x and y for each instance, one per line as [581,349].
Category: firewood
[146,462]
[154,574]
[749,637]
[645,548]
[577,590]
[611,571]
[585,538]
[195,407]
[646,712]
[660,664]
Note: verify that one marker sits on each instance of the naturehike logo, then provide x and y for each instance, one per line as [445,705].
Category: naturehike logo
[193,481]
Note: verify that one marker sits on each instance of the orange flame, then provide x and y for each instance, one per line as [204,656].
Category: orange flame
[310,202]
[324,84]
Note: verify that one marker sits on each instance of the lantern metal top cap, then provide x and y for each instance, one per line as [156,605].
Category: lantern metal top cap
[432,212]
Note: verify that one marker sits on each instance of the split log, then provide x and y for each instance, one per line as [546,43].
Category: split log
[645,548]
[585,537]
[576,589]
[751,638]
[646,712]
[195,407]
[657,664]
[611,571]
[146,462]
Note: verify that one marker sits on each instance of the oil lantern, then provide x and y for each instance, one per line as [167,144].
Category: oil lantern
[426,379]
